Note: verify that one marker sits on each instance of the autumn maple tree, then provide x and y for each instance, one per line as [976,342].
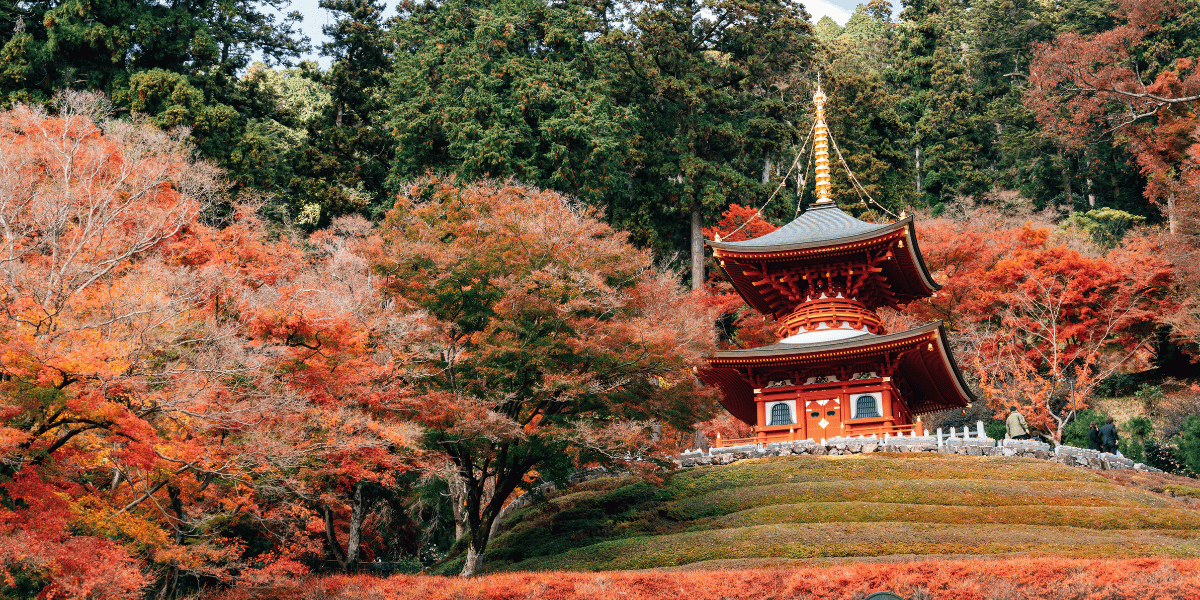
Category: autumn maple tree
[1127,79]
[1039,321]
[548,343]
[162,372]
[741,326]
[1137,83]
[87,311]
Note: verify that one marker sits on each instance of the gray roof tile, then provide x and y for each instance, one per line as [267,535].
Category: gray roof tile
[820,223]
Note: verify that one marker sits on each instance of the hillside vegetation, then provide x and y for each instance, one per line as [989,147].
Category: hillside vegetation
[781,509]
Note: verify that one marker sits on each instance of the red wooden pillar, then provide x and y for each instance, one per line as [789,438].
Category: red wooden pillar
[886,403]
[762,416]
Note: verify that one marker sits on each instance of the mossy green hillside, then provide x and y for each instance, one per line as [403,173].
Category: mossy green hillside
[863,505]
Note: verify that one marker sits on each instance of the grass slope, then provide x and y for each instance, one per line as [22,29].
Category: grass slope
[857,506]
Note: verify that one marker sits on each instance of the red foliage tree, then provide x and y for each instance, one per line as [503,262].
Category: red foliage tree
[744,327]
[160,375]
[547,342]
[87,310]
[1041,323]
[1085,85]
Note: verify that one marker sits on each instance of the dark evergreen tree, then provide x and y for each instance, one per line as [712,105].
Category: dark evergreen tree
[705,79]
[506,88]
[344,165]
[99,44]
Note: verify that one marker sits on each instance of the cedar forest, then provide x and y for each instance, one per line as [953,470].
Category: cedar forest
[262,320]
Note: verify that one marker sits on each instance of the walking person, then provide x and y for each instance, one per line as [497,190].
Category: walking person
[1109,437]
[1018,429]
[1094,442]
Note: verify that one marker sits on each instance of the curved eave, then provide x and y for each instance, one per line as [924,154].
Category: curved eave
[780,353]
[747,248]
[914,252]
[936,381]
[736,394]
[963,388]
[907,273]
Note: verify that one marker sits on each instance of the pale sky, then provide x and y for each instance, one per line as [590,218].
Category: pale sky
[315,17]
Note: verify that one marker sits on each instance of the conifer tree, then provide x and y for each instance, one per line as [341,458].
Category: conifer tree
[707,80]
[505,88]
[345,163]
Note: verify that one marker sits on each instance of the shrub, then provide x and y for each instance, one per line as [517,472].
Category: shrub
[995,429]
[1118,384]
[1189,443]
[1136,432]
[1151,396]
[1076,432]
[1165,456]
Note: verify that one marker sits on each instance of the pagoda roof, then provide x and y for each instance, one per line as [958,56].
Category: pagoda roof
[824,235]
[820,225]
[934,378]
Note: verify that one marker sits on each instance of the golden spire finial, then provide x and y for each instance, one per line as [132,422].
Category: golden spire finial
[821,146]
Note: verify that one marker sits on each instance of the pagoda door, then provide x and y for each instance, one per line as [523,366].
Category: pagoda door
[823,418]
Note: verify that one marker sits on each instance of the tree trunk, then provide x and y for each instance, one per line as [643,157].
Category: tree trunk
[473,561]
[917,155]
[177,506]
[1091,196]
[1171,211]
[697,251]
[358,510]
[357,514]
[482,513]
[1066,181]
[458,502]
[477,538]
[766,174]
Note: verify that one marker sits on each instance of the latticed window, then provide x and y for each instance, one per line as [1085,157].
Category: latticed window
[866,407]
[781,414]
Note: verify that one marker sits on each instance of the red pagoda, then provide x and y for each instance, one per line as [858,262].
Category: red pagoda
[835,371]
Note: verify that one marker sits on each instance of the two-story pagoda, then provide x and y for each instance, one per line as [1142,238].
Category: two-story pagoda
[835,371]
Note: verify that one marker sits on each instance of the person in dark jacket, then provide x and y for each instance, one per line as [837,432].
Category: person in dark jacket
[1094,437]
[1108,436]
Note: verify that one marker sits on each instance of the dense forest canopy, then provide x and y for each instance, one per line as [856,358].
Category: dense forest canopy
[265,318]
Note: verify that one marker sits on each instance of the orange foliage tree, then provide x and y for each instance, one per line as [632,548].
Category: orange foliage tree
[90,317]
[89,312]
[548,341]
[1133,81]
[173,393]
[1041,323]
[320,354]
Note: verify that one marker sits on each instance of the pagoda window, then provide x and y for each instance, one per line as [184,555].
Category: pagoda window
[781,414]
[866,406]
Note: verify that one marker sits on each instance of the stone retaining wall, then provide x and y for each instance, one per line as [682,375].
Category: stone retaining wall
[971,446]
